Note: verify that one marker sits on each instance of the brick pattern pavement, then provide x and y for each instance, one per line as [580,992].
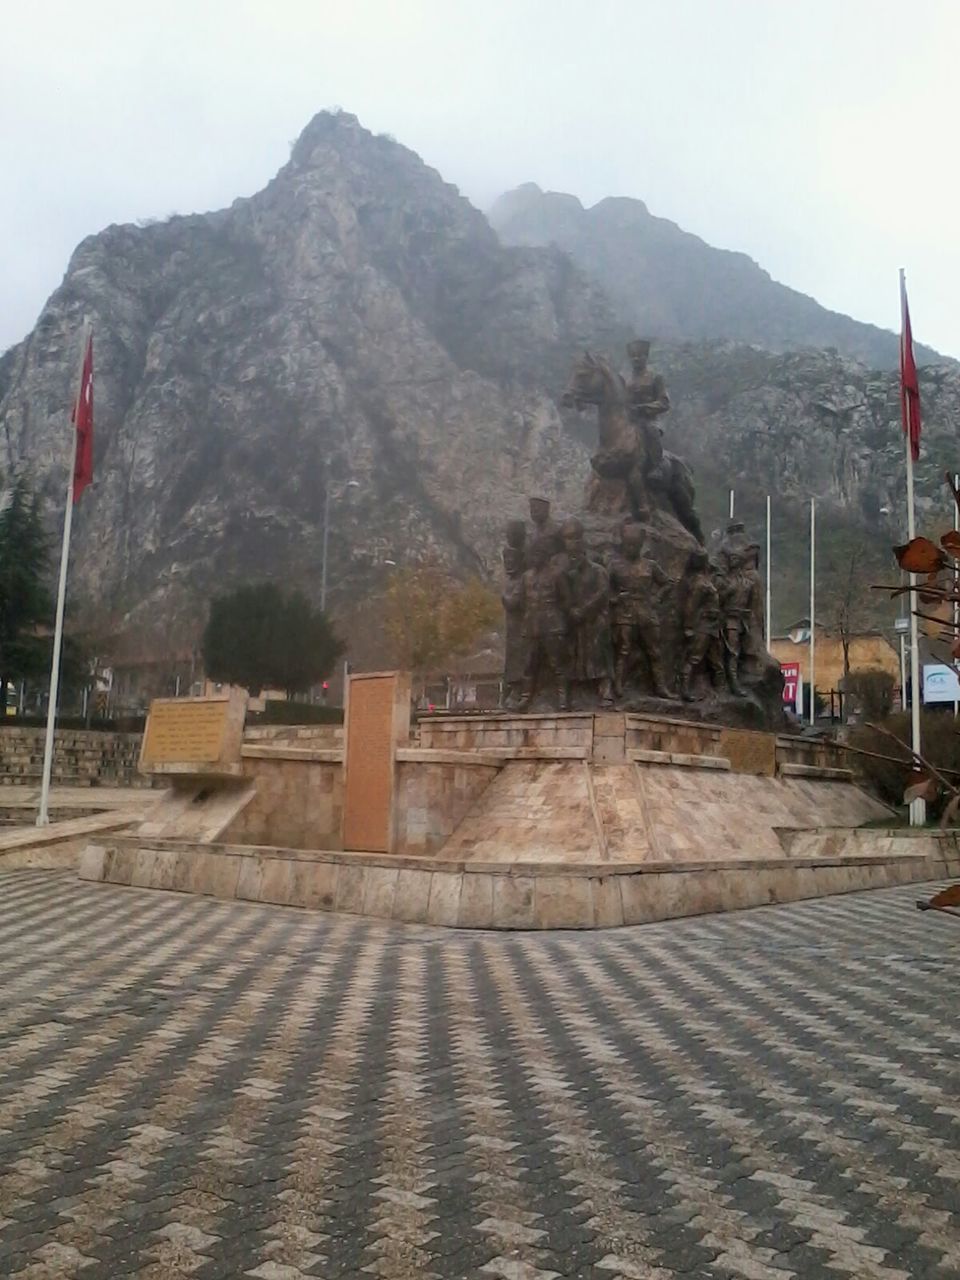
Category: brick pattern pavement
[209,1089]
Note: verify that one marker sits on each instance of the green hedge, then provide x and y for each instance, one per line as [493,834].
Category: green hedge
[280,712]
[122,724]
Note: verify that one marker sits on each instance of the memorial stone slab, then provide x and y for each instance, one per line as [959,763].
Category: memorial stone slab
[377,724]
[194,736]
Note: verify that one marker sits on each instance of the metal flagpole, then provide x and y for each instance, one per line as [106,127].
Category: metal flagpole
[812,692]
[731,505]
[43,813]
[769,579]
[918,808]
[956,578]
[903,672]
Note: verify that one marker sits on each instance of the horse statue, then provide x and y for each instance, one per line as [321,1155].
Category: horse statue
[631,469]
[616,486]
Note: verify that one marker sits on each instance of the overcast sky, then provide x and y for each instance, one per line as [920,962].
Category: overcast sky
[820,138]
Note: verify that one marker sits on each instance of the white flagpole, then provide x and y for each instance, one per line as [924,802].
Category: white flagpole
[769,579]
[956,578]
[43,813]
[813,608]
[918,808]
[731,505]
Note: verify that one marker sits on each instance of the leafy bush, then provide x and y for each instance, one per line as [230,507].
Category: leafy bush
[939,743]
[871,692]
[259,636]
[277,711]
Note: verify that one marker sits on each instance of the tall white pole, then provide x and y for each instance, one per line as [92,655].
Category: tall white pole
[43,813]
[812,690]
[326,534]
[918,808]
[769,611]
[903,672]
[731,504]
[956,577]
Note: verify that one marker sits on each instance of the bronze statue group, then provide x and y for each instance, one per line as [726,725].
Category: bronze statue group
[617,629]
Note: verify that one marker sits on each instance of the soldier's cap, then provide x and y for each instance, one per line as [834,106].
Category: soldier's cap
[639,347]
[538,497]
[735,526]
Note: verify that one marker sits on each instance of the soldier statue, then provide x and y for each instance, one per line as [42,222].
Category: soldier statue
[700,620]
[545,529]
[756,639]
[648,399]
[515,654]
[637,583]
[588,587]
[545,608]
[737,606]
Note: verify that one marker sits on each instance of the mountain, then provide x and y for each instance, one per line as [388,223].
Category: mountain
[359,319]
[356,318]
[669,284]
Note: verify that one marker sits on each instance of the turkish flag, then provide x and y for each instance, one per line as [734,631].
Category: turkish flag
[83,421]
[909,384]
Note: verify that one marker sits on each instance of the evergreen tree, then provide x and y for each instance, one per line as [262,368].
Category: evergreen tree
[25,601]
[260,637]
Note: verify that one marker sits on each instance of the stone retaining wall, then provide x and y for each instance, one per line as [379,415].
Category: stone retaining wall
[81,757]
[492,896]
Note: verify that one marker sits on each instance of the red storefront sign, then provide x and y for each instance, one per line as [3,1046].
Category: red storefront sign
[791,681]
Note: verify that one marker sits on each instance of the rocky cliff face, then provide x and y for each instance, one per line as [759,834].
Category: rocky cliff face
[356,318]
[359,319]
[673,285]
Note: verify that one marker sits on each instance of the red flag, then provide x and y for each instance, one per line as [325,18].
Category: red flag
[82,417]
[909,384]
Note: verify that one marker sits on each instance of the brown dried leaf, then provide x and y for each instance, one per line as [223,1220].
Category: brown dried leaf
[925,789]
[948,818]
[950,541]
[930,580]
[919,555]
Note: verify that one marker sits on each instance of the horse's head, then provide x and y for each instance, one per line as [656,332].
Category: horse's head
[591,382]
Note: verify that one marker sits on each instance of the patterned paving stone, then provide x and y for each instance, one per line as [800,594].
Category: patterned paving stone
[212,1089]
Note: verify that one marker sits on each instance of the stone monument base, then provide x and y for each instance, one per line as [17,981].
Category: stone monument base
[578,820]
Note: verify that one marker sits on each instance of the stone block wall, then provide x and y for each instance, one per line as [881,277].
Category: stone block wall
[679,737]
[432,799]
[499,732]
[424,891]
[81,758]
[798,750]
[298,804]
[295,735]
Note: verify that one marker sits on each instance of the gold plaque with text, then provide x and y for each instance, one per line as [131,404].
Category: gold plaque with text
[749,751]
[185,730]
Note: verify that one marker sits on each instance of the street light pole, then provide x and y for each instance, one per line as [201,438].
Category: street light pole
[327,495]
[326,536]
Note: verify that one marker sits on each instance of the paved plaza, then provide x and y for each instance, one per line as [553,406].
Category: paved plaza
[210,1089]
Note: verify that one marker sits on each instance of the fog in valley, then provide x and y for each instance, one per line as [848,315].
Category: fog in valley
[818,141]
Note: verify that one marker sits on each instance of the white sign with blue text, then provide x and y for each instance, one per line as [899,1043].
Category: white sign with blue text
[940,683]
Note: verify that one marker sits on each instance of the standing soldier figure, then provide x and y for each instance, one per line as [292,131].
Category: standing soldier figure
[515,653]
[636,583]
[545,596]
[700,618]
[545,529]
[588,586]
[736,602]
